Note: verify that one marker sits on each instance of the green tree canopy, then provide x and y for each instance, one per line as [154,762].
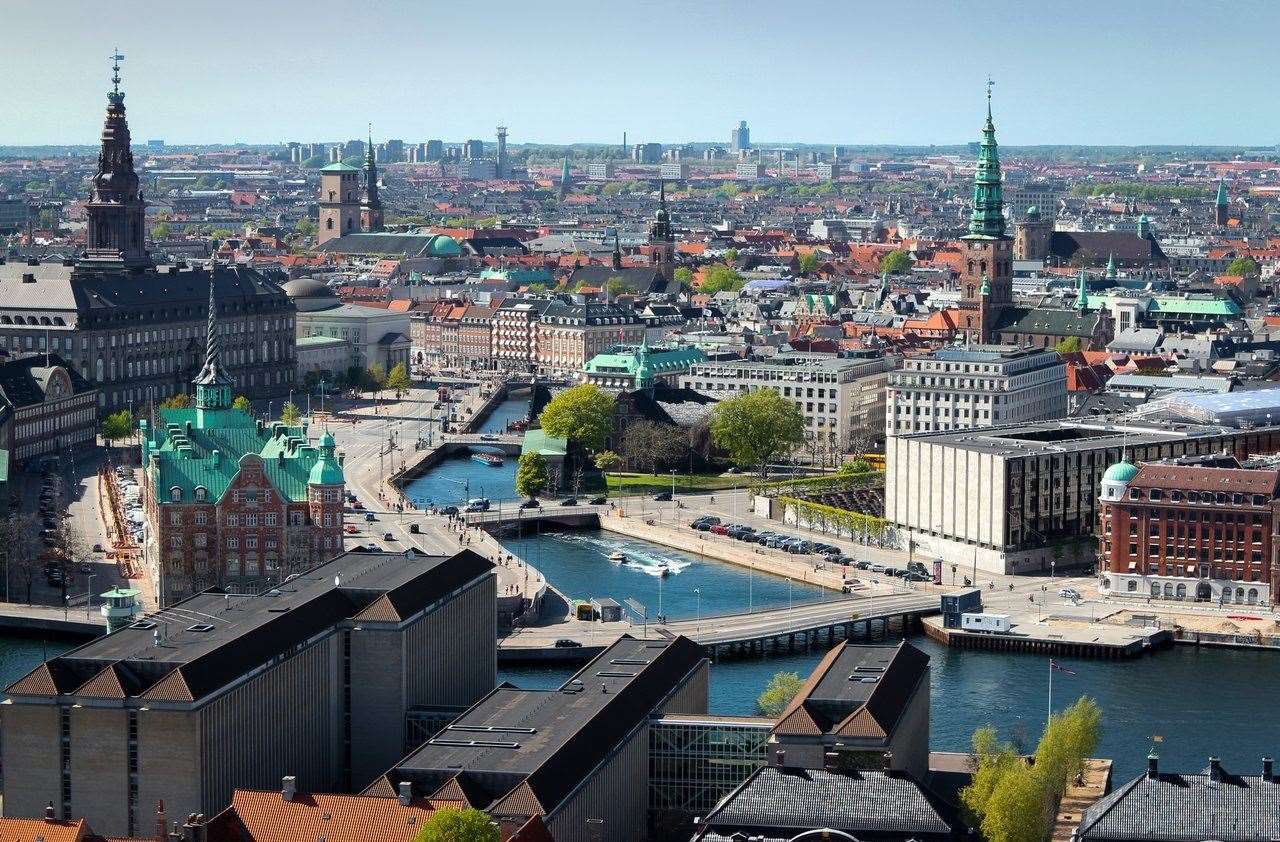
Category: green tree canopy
[1244,266]
[531,474]
[378,376]
[583,414]
[315,162]
[721,278]
[398,378]
[756,427]
[730,256]
[782,688]
[616,286]
[179,401]
[451,825]
[289,414]
[684,277]
[242,403]
[896,262]
[305,227]
[1068,345]
[117,425]
[808,263]
[160,231]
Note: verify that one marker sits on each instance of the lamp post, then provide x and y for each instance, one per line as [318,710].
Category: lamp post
[698,610]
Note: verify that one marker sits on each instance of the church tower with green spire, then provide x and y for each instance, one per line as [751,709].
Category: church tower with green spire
[213,383]
[1221,205]
[986,281]
[371,208]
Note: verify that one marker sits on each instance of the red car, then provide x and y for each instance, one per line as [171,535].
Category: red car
[350,530]
[356,504]
[718,529]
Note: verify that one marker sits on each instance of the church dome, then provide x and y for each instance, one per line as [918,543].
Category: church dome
[310,294]
[442,245]
[1122,471]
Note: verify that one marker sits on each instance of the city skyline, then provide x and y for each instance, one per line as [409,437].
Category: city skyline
[855,77]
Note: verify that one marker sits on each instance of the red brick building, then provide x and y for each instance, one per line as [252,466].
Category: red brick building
[1200,529]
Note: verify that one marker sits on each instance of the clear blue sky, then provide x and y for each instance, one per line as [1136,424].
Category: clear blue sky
[848,71]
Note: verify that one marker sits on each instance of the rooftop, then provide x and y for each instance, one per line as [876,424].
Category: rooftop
[192,648]
[1053,438]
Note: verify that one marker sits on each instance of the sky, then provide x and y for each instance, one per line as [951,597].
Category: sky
[1093,72]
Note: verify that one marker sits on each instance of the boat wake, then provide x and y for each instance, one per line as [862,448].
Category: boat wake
[637,557]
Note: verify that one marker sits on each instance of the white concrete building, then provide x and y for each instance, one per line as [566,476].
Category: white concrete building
[964,388]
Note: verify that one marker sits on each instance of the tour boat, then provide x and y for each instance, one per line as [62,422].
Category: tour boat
[617,556]
[493,460]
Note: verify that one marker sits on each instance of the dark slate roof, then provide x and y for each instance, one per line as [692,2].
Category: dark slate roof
[480,244]
[642,279]
[246,632]
[1187,808]
[780,803]
[593,314]
[856,691]
[23,382]
[1043,321]
[1126,246]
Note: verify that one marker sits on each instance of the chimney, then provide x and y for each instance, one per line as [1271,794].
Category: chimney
[888,761]
[288,787]
[1215,770]
[48,813]
[780,758]
[1268,774]
[406,793]
[162,833]
[1153,766]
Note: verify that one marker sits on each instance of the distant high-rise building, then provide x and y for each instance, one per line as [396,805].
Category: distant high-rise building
[434,150]
[473,149]
[600,170]
[154,145]
[503,168]
[295,151]
[647,153]
[395,150]
[674,170]
[712,153]
[740,138]
[335,154]
[353,149]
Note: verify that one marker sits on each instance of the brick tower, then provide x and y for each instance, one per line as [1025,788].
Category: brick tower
[986,281]
[339,201]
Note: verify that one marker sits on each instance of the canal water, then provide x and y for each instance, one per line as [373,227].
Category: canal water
[1200,701]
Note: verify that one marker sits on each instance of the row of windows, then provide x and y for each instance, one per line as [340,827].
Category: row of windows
[1178,496]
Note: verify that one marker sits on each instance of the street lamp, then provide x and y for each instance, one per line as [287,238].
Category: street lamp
[698,610]
[788,593]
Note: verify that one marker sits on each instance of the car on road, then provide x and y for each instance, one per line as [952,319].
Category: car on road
[488,437]
[569,501]
[566,643]
[369,517]
[599,501]
[877,568]
[707,519]
[350,529]
[916,577]
[387,536]
[530,504]
[662,496]
[1071,594]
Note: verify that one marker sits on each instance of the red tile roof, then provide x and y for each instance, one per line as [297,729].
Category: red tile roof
[267,817]
[31,830]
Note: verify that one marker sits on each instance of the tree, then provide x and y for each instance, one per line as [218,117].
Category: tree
[1069,345]
[616,287]
[117,425]
[160,231]
[179,401]
[731,256]
[756,427]
[721,278]
[305,227]
[289,414]
[1245,267]
[808,263]
[648,444]
[398,379]
[20,544]
[583,414]
[378,376]
[453,825]
[531,474]
[684,277]
[242,403]
[896,262]
[606,461]
[782,688]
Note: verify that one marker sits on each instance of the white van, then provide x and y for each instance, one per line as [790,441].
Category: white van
[988,623]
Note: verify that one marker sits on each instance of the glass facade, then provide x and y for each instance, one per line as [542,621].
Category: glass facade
[694,762]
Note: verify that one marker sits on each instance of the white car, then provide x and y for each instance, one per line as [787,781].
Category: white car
[1070,593]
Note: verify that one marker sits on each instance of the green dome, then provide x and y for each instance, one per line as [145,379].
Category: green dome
[326,470]
[1122,471]
[1033,211]
[442,245]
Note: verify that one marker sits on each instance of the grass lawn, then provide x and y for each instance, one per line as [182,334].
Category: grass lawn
[627,483]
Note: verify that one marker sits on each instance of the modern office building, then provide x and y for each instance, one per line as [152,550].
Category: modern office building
[1196,529]
[839,396]
[980,386]
[749,171]
[1023,498]
[597,170]
[646,153]
[576,756]
[740,137]
[316,679]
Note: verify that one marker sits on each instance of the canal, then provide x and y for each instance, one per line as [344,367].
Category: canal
[1197,700]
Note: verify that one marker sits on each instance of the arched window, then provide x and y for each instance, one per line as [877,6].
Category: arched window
[202,493]
[1239,594]
[265,351]
[97,370]
[328,223]
[1168,590]
[1182,591]
[175,494]
[1155,589]
[1253,595]
[1226,595]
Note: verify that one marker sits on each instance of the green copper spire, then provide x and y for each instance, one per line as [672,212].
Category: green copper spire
[1082,294]
[1111,266]
[1222,194]
[986,222]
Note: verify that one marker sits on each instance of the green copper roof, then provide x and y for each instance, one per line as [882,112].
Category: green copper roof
[326,470]
[1172,304]
[338,166]
[536,441]
[1122,471]
[642,363]
[986,221]
[1082,292]
[1222,193]
[209,455]
[1111,266]
[442,245]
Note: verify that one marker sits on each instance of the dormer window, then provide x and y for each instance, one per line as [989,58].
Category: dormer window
[202,494]
[175,494]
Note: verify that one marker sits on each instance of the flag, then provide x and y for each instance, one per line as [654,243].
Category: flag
[1054,665]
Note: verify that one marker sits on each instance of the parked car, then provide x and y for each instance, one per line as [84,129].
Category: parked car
[877,568]
[916,577]
[569,501]
[530,504]
[662,496]
[718,529]
[863,565]
[1071,594]
[350,529]
[368,516]
[599,501]
[566,643]
[387,536]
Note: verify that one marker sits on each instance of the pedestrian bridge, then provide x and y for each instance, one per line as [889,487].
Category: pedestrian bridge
[508,443]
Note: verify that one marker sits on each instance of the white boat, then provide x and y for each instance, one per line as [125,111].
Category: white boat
[664,569]
[617,556]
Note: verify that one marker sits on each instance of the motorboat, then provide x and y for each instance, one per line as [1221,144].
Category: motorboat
[493,460]
[618,557]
